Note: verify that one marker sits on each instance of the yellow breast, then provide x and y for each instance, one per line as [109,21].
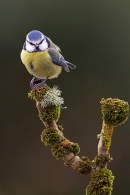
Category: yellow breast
[40,64]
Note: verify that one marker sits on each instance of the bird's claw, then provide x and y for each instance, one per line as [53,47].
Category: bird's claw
[35,83]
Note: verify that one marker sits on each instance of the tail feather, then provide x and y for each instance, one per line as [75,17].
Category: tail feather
[66,67]
[72,66]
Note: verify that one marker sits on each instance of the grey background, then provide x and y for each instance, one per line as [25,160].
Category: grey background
[95,36]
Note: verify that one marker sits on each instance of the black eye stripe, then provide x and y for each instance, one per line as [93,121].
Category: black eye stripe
[41,41]
[33,43]
[30,43]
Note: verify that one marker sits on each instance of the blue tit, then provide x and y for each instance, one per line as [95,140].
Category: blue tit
[42,57]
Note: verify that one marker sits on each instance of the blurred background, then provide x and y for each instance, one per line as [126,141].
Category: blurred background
[95,36]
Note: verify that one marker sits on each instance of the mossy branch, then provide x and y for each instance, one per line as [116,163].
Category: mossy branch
[114,111]
[49,104]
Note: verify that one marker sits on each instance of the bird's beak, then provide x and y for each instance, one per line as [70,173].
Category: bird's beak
[37,48]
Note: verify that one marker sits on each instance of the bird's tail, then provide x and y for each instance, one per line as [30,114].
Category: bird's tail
[72,66]
[66,65]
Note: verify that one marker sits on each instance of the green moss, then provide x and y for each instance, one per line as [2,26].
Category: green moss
[50,136]
[106,143]
[115,111]
[60,128]
[101,160]
[57,151]
[38,94]
[84,166]
[65,147]
[75,148]
[49,101]
[49,114]
[101,183]
[69,147]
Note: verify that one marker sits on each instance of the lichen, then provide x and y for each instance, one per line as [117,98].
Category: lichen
[52,97]
[49,101]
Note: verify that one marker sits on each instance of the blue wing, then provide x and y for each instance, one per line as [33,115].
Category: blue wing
[58,59]
[51,44]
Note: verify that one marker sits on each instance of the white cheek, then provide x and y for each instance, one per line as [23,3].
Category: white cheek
[29,47]
[43,46]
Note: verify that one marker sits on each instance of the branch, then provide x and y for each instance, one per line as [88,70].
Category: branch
[49,104]
[115,112]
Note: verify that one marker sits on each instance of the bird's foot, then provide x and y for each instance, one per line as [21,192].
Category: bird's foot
[36,83]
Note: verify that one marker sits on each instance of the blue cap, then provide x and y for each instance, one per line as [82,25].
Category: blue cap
[35,35]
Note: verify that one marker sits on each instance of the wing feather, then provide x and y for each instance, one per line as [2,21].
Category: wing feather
[58,59]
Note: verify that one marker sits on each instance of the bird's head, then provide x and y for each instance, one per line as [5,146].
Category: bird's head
[36,41]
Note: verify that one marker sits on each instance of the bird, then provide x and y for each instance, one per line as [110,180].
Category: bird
[42,58]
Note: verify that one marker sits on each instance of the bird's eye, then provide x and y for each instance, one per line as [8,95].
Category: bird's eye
[30,43]
[41,41]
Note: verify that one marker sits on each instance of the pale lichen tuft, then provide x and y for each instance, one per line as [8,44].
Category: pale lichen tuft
[52,97]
